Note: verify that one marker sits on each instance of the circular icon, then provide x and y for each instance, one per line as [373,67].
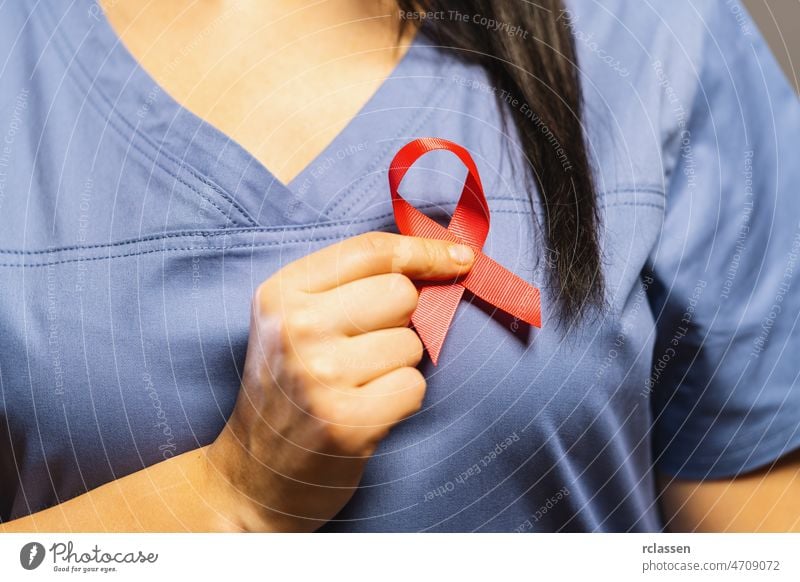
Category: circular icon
[31,555]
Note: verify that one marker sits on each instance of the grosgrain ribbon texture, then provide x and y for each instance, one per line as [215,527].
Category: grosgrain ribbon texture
[469,225]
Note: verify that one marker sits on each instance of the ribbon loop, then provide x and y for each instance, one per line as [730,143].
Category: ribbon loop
[469,225]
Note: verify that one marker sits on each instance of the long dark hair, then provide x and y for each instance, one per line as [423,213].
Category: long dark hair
[536,63]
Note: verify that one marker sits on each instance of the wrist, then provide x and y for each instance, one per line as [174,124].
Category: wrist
[233,510]
[227,481]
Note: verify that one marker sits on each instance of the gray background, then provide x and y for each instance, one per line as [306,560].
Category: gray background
[779,22]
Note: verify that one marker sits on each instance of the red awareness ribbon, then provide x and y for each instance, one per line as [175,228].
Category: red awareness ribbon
[469,225]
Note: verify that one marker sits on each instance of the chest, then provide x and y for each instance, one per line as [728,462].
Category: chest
[283,86]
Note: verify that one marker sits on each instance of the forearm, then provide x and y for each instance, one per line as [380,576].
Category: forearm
[766,500]
[178,494]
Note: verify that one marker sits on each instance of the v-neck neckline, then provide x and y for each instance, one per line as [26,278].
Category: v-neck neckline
[169,127]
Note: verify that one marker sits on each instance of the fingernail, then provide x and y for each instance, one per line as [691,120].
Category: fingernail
[461,254]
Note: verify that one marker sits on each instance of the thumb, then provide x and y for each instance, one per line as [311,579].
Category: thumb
[425,258]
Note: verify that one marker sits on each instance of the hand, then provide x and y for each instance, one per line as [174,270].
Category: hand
[329,369]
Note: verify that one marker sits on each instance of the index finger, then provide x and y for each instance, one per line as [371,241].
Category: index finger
[376,253]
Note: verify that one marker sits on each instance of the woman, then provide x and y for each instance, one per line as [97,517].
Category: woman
[205,302]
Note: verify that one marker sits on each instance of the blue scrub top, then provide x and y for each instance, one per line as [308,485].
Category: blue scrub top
[134,234]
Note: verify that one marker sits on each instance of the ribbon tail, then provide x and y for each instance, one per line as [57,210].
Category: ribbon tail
[435,310]
[497,285]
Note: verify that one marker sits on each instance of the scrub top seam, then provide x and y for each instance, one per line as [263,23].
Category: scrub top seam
[251,245]
[214,233]
[95,91]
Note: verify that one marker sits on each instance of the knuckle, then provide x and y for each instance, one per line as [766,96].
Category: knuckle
[410,380]
[264,297]
[374,243]
[326,371]
[403,290]
[432,256]
[299,324]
